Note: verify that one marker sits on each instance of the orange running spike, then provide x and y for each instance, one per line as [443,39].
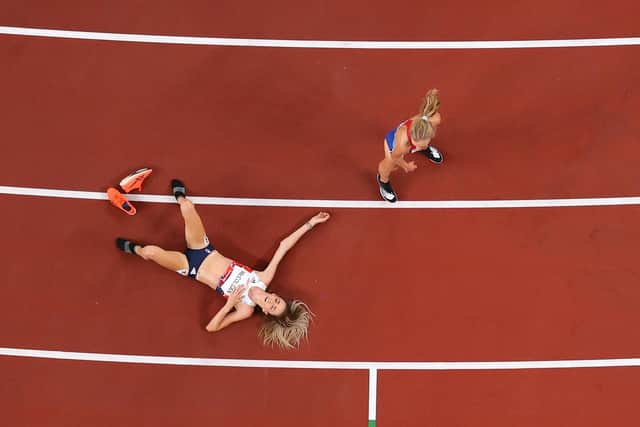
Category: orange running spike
[134,180]
[118,200]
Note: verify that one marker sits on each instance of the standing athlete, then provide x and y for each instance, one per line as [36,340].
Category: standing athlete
[414,135]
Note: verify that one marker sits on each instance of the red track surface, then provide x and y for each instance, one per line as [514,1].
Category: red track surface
[337,20]
[495,284]
[133,395]
[514,126]
[589,397]
[502,284]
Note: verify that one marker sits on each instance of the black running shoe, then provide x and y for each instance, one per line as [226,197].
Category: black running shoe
[433,154]
[126,246]
[178,189]
[386,191]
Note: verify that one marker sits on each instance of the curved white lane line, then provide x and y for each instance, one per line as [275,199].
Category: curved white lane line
[319,44]
[350,204]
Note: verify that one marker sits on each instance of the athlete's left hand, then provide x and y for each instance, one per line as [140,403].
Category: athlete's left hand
[410,167]
[235,296]
[319,217]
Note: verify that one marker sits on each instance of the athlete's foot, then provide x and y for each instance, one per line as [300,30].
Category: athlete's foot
[386,191]
[134,180]
[126,246]
[119,201]
[178,189]
[433,154]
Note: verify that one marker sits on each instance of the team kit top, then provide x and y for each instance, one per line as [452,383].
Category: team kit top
[390,138]
[240,275]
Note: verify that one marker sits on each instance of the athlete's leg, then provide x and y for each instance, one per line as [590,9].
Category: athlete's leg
[171,260]
[193,228]
[385,167]
[194,233]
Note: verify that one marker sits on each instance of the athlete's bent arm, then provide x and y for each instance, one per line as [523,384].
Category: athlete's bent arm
[399,151]
[398,159]
[287,243]
[224,317]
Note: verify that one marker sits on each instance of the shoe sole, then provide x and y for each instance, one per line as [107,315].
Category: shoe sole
[383,191]
[437,162]
[387,200]
[132,178]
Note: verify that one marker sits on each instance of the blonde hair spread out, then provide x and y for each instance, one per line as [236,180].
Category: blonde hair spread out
[287,330]
[422,129]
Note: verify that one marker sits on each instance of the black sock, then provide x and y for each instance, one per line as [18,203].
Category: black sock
[178,189]
[380,181]
[126,246]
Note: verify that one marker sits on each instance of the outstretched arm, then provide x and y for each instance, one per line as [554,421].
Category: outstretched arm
[267,275]
[227,315]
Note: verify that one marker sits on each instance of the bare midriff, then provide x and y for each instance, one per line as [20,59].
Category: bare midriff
[212,269]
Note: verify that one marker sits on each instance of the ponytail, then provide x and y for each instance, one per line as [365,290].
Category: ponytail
[421,128]
[430,104]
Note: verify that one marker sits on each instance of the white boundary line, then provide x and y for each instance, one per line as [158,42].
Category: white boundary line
[319,44]
[305,203]
[373,393]
[371,367]
[309,364]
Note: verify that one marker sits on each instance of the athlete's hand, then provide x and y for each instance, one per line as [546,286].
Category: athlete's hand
[319,217]
[235,296]
[411,166]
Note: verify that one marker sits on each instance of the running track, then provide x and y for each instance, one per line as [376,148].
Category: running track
[386,284]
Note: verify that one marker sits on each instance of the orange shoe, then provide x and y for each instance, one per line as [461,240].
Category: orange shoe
[134,180]
[117,199]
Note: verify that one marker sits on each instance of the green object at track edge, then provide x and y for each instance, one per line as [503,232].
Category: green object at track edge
[372,423]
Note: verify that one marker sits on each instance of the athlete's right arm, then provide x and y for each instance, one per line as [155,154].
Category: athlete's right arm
[397,155]
[225,316]
[400,149]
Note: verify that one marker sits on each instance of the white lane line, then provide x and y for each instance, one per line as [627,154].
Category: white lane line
[308,364]
[319,44]
[373,393]
[306,203]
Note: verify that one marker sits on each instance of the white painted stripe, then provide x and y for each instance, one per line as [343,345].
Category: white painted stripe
[308,364]
[46,192]
[322,44]
[373,393]
[306,203]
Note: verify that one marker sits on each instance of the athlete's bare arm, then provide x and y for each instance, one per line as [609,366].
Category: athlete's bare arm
[401,148]
[233,311]
[286,244]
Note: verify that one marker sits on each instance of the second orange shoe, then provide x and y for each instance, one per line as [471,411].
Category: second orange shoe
[119,201]
[134,180]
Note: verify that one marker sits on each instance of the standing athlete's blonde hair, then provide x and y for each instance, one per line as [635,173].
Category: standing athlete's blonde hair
[287,330]
[421,128]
